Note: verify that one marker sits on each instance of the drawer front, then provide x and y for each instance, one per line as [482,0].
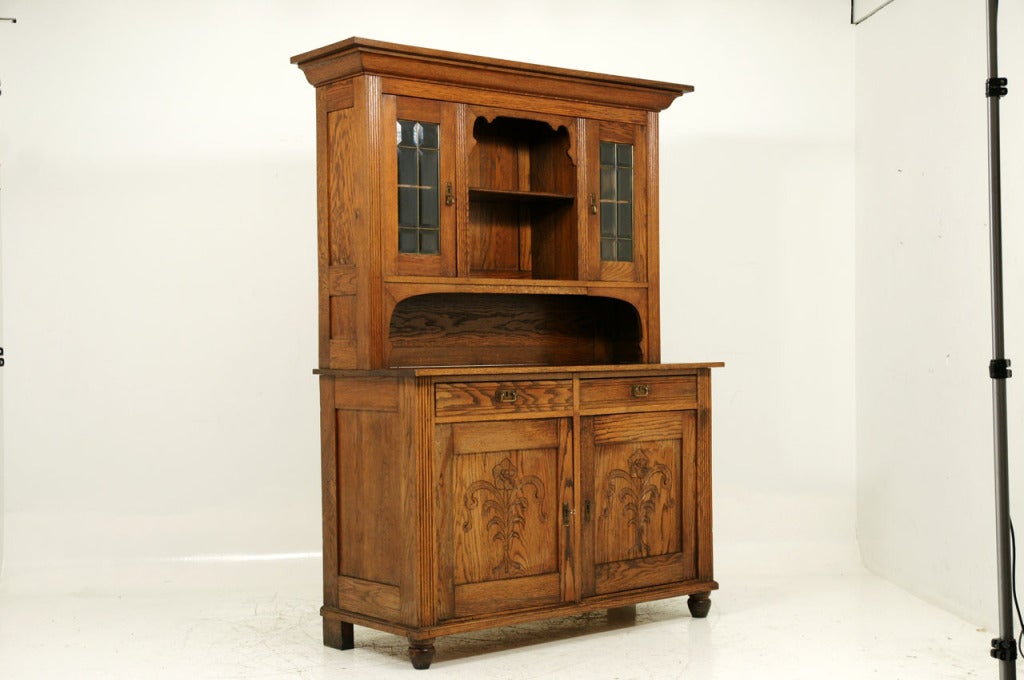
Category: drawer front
[638,392]
[453,400]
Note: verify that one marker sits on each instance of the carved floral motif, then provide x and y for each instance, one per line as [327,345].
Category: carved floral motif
[504,506]
[638,489]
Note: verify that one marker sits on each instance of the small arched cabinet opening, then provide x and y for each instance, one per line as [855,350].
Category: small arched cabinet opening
[480,329]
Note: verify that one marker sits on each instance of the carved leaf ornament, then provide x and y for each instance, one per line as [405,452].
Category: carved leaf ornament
[638,489]
[504,506]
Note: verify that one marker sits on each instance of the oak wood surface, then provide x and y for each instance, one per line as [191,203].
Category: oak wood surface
[499,440]
[360,55]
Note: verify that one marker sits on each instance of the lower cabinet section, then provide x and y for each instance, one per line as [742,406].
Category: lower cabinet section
[458,500]
[639,498]
[501,540]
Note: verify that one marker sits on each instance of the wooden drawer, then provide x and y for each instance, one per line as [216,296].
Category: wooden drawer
[453,400]
[638,392]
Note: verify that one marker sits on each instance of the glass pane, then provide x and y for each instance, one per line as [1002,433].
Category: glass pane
[625,220]
[429,241]
[607,153]
[607,183]
[429,168]
[607,219]
[624,155]
[430,135]
[429,207]
[408,207]
[407,241]
[625,250]
[407,166]
[405,132]
[624,184]
[419,194]
[608,249]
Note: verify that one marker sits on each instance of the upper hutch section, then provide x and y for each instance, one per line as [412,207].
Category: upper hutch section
[459,196]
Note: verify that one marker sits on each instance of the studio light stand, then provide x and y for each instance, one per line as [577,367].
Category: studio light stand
[1004,648]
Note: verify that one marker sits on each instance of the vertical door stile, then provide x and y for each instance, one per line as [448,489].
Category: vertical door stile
[462,134]
[567,549]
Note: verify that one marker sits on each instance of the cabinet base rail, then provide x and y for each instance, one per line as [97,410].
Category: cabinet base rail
[338,623]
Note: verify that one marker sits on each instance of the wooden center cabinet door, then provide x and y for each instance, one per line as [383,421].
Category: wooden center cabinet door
[504,499]
[639,500]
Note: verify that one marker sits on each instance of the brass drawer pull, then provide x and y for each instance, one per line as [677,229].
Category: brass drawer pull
[640,391]
[507,396]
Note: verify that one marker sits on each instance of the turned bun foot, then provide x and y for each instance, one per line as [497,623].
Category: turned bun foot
[421,653]
[699,605]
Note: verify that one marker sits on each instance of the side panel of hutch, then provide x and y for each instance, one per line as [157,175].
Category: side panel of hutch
[499,440]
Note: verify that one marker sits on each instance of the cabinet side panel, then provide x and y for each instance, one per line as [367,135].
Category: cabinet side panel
[370,479]
[705,562]
[342,189]
[329,490]
[344,149]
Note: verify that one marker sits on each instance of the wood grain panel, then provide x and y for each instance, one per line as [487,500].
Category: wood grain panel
[637,427]
[489,329]
[506,513]
[489,436]
[479,398]
[482,598]
[367,597]
[631,574]
[342,354]
[641,481]
[345,147]
[341,280]
[329,490]
[370,507]
[367,393]
[637,500]
[628,392]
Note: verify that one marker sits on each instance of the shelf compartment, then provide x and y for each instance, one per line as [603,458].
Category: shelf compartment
[473,329]
[515,196]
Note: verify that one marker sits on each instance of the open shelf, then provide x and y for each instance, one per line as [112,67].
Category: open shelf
[516,196]
[522,192]
[476,329]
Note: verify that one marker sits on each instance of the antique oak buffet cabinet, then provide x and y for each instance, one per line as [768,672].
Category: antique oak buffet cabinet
[499,440]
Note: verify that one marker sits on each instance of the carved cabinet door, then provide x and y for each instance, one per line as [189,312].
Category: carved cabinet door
[639,500]
[502,528]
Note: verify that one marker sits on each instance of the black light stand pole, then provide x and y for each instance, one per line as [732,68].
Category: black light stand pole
[1004,648]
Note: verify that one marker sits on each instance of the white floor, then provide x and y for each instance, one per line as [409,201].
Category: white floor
[258,619]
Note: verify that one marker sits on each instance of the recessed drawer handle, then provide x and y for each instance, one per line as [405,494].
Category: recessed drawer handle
[507,396]
[640,391]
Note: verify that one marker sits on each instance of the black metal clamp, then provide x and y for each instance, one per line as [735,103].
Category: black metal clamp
[996,87]
[1004,650]
[999,369]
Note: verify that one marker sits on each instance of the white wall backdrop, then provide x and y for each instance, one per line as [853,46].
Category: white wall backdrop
[159,255]
[925,478]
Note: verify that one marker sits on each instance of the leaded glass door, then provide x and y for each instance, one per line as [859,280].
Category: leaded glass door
[617,201]
[418,173]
